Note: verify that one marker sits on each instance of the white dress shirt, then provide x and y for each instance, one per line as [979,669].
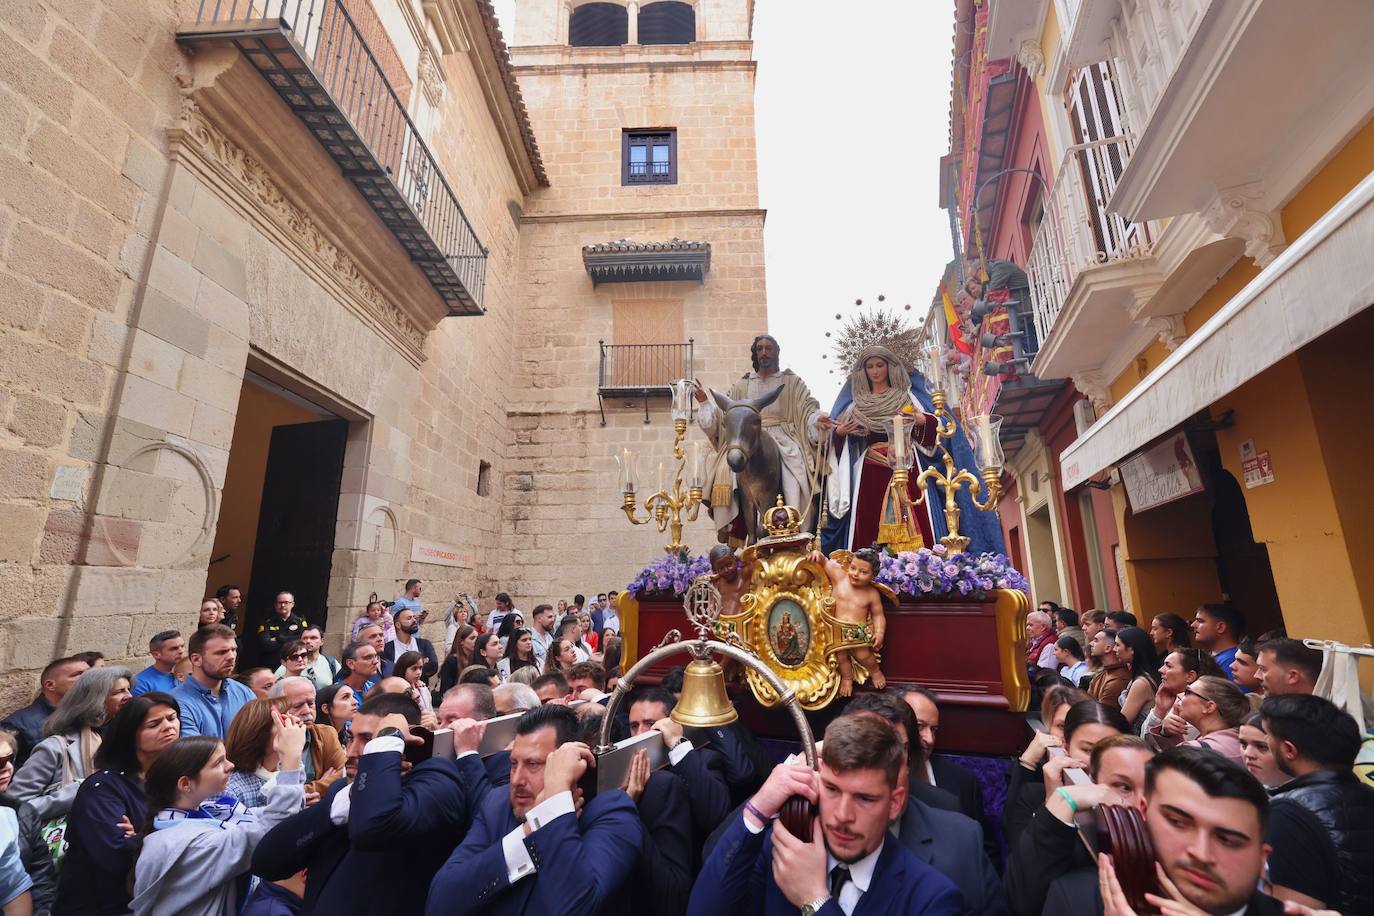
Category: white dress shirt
[860,877]
[518,862]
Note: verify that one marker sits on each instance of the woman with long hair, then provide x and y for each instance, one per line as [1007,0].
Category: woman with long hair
[610,660]
[519,653]
[1177,673]
[111,806]
[335,706]
[251,747]
[459,615]
[1257,754]
[560,657]
[588,639]
[488,652]
[198,839]
[410,667]
[1170,632]
[1137,652]
[461,652]
[1212,705]
[509,624]
[50,777]
[1086,723]
[211,613]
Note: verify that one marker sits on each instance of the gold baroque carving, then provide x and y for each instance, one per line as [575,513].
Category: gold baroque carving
[257,183]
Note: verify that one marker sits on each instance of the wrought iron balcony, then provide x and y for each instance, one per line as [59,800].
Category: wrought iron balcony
[1078,233]
[641,371]
[313,54]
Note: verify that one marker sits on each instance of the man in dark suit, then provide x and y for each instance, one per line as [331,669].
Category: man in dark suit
[941,771]
[386,818]
[849,863]
[1206,817]
[662,877]
[960,853]
[538,848]
[703,769]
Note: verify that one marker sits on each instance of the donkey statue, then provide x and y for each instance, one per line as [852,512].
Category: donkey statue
[752,455]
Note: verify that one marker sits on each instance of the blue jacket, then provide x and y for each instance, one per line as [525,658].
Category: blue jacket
[738,878]
[204,714]
[398,825]
[95,871]
[662,877]
[581,861]
[27,725]
[952,843]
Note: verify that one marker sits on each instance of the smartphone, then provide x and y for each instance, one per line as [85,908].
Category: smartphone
[419,753]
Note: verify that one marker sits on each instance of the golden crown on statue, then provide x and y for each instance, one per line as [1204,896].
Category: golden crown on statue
[782,520]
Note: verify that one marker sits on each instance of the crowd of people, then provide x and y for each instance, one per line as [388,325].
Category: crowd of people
[255,774]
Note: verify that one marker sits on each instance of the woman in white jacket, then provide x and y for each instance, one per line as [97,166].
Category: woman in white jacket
[48,780]
[200,840]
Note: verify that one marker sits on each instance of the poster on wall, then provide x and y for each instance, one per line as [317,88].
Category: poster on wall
[1256,465]
[1162,473]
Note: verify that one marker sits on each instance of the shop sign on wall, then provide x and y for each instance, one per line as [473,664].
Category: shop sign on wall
[1161,474]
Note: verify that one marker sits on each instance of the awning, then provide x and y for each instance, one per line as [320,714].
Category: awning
[628,261]
[1318,282]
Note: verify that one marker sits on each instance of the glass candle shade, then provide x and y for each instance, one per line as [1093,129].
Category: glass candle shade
[901,452]
[682,398]
[986,430]
[628,463]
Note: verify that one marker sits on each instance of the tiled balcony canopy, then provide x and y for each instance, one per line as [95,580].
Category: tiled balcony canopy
[628,261]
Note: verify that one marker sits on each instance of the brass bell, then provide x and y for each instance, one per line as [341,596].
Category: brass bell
[704,700]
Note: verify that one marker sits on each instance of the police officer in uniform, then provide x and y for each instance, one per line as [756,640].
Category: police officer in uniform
[284,626]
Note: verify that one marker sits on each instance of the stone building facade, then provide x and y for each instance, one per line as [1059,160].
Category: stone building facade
[225,362]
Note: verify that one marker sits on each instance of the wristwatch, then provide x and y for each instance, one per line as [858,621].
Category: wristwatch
[390,731]
[814,906]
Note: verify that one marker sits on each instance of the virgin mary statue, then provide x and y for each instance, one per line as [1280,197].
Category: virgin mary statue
[863,507]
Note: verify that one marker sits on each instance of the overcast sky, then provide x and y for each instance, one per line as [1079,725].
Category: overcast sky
[852,116]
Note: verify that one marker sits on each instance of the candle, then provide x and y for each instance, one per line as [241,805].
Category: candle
[660,477]
[899,440]
[696,464]
[626,460]
[985,438]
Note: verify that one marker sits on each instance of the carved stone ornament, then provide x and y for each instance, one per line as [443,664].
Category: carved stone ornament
[1169,329]
[266,203]
[1031,56]
[431,77]
[1092,384]
[1239,212]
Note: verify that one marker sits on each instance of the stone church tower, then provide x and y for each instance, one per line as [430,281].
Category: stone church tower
[642,261]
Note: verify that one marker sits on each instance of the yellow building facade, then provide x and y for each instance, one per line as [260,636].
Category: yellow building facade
[1227,203]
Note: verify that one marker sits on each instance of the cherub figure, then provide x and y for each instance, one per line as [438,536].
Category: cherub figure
[858,605]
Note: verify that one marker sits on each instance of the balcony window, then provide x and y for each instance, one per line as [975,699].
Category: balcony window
[667,22]
[599,25]
[649,157]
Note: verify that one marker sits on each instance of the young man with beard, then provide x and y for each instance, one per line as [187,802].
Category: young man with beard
[539,847]
[1113,675]
[1206,818]
[388,821]
[849,862]
[408,640]
[210,697]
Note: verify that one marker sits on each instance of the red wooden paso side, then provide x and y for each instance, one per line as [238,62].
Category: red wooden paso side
[969,652]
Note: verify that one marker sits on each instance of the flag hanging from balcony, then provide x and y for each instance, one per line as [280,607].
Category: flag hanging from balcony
[956,331]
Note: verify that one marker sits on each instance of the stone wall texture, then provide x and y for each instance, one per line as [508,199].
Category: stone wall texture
[166,225]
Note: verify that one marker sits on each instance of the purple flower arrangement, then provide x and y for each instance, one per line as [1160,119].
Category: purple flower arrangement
[672,574]
[934,573]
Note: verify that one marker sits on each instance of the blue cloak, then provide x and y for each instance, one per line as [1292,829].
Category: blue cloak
[983,529]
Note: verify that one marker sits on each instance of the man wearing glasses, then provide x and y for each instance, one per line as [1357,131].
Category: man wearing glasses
[323,757]
[281,628]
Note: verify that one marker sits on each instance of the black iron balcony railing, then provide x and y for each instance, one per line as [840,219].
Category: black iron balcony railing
[641,371]
[314,56]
